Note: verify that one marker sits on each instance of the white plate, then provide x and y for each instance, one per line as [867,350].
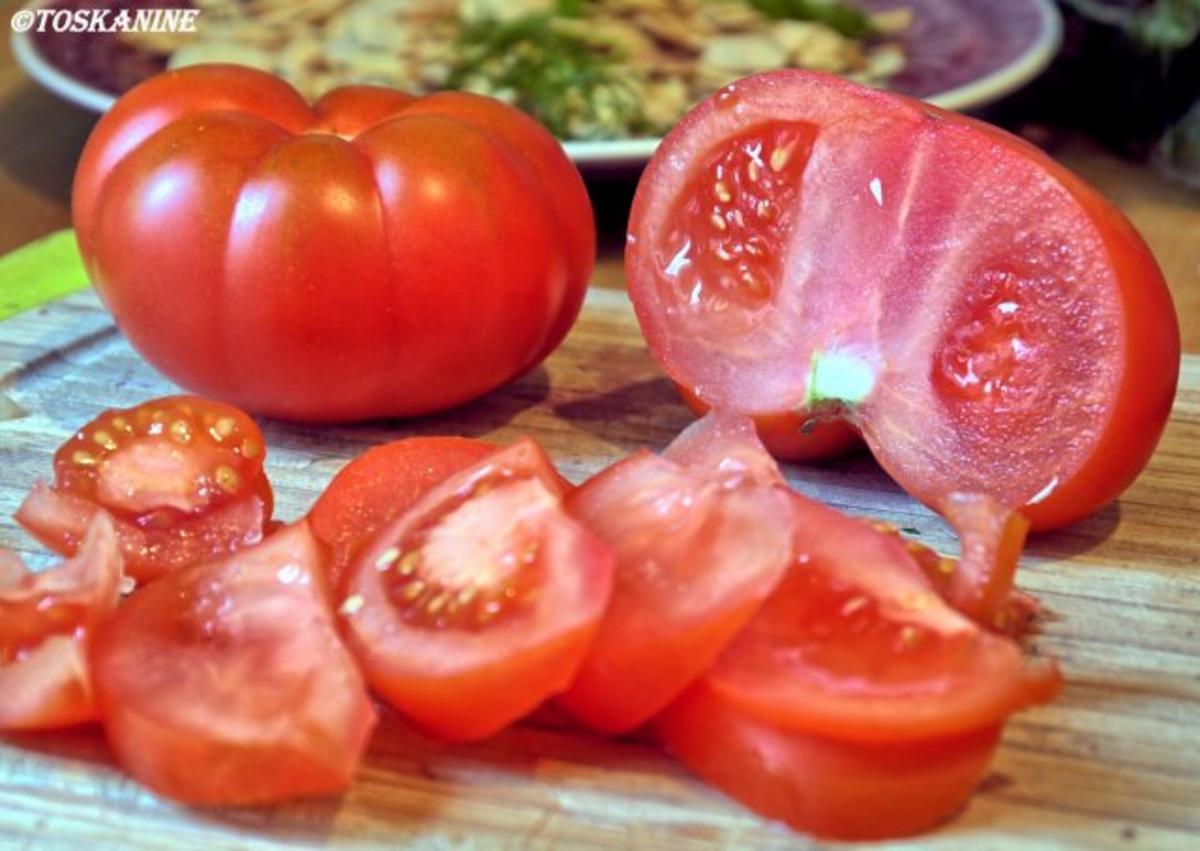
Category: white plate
[1041,37]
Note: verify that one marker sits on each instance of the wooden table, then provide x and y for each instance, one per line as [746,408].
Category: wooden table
[1112,764]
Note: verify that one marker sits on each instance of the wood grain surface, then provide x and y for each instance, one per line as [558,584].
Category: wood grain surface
[1115,763]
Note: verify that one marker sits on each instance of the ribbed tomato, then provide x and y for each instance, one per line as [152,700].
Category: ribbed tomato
[372,254]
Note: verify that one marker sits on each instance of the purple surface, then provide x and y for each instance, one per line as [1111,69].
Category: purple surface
[955,42]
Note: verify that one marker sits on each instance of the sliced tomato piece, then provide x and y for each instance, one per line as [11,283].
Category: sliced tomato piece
[478,603]
[702,536]
[800,244]
[831,787]
[383,483]
[857,644]
[182,477]
[46,619]
[226,683]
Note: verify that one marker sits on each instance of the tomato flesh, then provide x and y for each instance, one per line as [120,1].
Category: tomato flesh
[478,603]
[988,322]
[380,485]
[701,536]
[181,476]
[46,620]
[226,683]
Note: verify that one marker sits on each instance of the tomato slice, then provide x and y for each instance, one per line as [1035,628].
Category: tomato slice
[383,483]
[478,603]
[46,618]
[857,644]
[226,683]
[803,245]
[830,787]
[181,476]
[702,536]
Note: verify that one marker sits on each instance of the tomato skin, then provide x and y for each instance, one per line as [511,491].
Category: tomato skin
[924,212]
[226,683]
[46,621]
[463,671]
[371,255]
[181,477]
[791,436]
[380,485]
[832,788]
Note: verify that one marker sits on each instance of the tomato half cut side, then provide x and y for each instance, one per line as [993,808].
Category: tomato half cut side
[825,786]
[856,643]
[478,603]
[46,620]
[226,683]
[181,476]
[803,245]
[380,485]
[699,543]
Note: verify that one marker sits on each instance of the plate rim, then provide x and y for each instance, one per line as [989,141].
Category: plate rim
[986,89]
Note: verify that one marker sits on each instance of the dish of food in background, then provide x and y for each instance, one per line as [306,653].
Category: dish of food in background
[606,76]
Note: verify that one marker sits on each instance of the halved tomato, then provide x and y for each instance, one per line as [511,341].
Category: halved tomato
[478,603]
[226,683]
[181,476]
[383,483]
[801,244]
[46,619]
[702,536]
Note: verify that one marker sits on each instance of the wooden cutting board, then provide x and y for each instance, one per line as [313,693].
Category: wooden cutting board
[1115,763]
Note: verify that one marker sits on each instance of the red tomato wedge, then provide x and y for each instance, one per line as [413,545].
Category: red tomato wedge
[702,536]
[181,476]
[478,603]
[383,483]
[226,683]
[826,786]
[46,619]
[856,643]
[801,244]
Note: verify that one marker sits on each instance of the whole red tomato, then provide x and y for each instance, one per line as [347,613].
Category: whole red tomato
[373,254]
